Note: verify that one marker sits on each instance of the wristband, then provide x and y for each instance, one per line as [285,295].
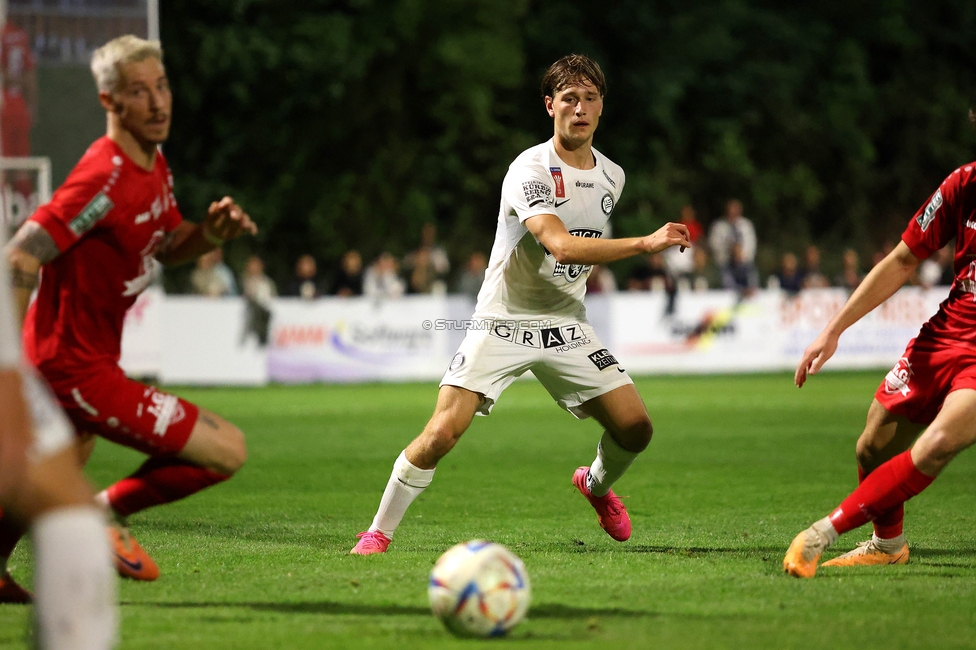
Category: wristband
[210,237]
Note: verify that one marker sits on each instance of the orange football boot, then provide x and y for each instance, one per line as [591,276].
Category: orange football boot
[11,592]
[868,554]
[130,560]
[804,553]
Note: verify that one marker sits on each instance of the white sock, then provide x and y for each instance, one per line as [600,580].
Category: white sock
[611,462]
[826,530]
[892,545]
[74,580]
[406,483]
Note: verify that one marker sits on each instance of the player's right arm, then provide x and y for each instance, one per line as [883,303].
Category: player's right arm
[549,230]
[29,249]
[880,284]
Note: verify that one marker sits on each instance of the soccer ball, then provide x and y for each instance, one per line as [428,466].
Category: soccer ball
[479,588]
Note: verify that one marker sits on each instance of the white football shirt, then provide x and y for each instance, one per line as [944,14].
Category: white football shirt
[523,279]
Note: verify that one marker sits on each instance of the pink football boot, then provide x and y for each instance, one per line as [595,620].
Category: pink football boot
[610,510]
[371,541]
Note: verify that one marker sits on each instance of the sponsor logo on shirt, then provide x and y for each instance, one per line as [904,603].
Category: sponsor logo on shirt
[585,186]
[898,378]
[572,272]
[613,183]
[602,359]
[557,177]
[559,339]
[925,219]
[537,193]
[606,204]
[92,213]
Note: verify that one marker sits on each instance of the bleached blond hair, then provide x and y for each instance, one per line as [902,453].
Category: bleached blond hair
[107,61]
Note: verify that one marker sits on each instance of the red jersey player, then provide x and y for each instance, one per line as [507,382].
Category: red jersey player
[19,90]
[932,387]
[100,242]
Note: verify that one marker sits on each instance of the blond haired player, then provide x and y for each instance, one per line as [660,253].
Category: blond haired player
[101,241]
[557,199]
[41,486]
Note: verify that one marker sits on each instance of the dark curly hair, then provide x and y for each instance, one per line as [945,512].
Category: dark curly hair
[573,70]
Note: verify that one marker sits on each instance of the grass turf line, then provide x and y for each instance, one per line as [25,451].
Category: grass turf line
[738,465]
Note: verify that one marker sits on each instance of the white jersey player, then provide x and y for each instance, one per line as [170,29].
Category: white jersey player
[557,199]
[41,486]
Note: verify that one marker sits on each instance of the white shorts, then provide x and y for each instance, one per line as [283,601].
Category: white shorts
[52,430]
[568,359]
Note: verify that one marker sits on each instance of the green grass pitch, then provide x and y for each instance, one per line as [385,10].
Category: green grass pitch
[738,465]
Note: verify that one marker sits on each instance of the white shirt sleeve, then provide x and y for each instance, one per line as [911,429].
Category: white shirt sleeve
[9,330]
[529,191]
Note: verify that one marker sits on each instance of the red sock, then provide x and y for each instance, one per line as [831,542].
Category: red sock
[883,490]
[887,525]
[160,480]
[10,534]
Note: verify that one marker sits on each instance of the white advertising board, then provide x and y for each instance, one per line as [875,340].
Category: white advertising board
[195,340]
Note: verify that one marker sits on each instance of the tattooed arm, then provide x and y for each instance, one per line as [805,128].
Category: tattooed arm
[30,248]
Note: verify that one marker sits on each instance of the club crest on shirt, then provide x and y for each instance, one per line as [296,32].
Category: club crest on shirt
[898,378]
[606,204]
[925,219]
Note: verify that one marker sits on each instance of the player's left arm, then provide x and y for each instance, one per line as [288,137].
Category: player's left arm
[225,220]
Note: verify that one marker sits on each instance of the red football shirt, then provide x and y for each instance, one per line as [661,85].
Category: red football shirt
[107,219]
[951,213]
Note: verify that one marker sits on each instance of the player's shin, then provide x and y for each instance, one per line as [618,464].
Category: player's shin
[406,483]
[888,526]
[611,462]
[74,581]
[882,491]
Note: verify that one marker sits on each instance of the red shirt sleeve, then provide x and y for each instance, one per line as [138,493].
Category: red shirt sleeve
[77,206]
[937,221]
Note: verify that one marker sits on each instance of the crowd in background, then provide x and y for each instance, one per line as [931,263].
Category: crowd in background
[724,257]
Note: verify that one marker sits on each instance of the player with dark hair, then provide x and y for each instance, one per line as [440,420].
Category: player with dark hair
[931,388]
[556,203]
[100,242]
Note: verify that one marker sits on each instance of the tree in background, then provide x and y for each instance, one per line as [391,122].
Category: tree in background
[350,124]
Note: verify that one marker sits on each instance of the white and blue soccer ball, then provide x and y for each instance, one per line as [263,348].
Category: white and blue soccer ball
[479,588]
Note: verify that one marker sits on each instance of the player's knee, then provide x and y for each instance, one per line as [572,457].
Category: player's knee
[442,434]
[936,448]
[636,435]
[867,453]
[233,452]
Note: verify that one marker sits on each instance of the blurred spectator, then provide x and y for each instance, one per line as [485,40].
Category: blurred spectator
[428,266]
[18,107]
[381,279]
[813,277]
[733,243]
[601,280]
[789,278]
[349,279]
[259,290]
[705,276]
[258,286]
[212,277]
[473,275]
[681,264]
[937,269]
[740,274]
[305,284]
[850,275]
[651,275]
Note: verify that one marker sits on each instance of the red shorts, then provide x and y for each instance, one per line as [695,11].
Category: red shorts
[930,369]
[111,405]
